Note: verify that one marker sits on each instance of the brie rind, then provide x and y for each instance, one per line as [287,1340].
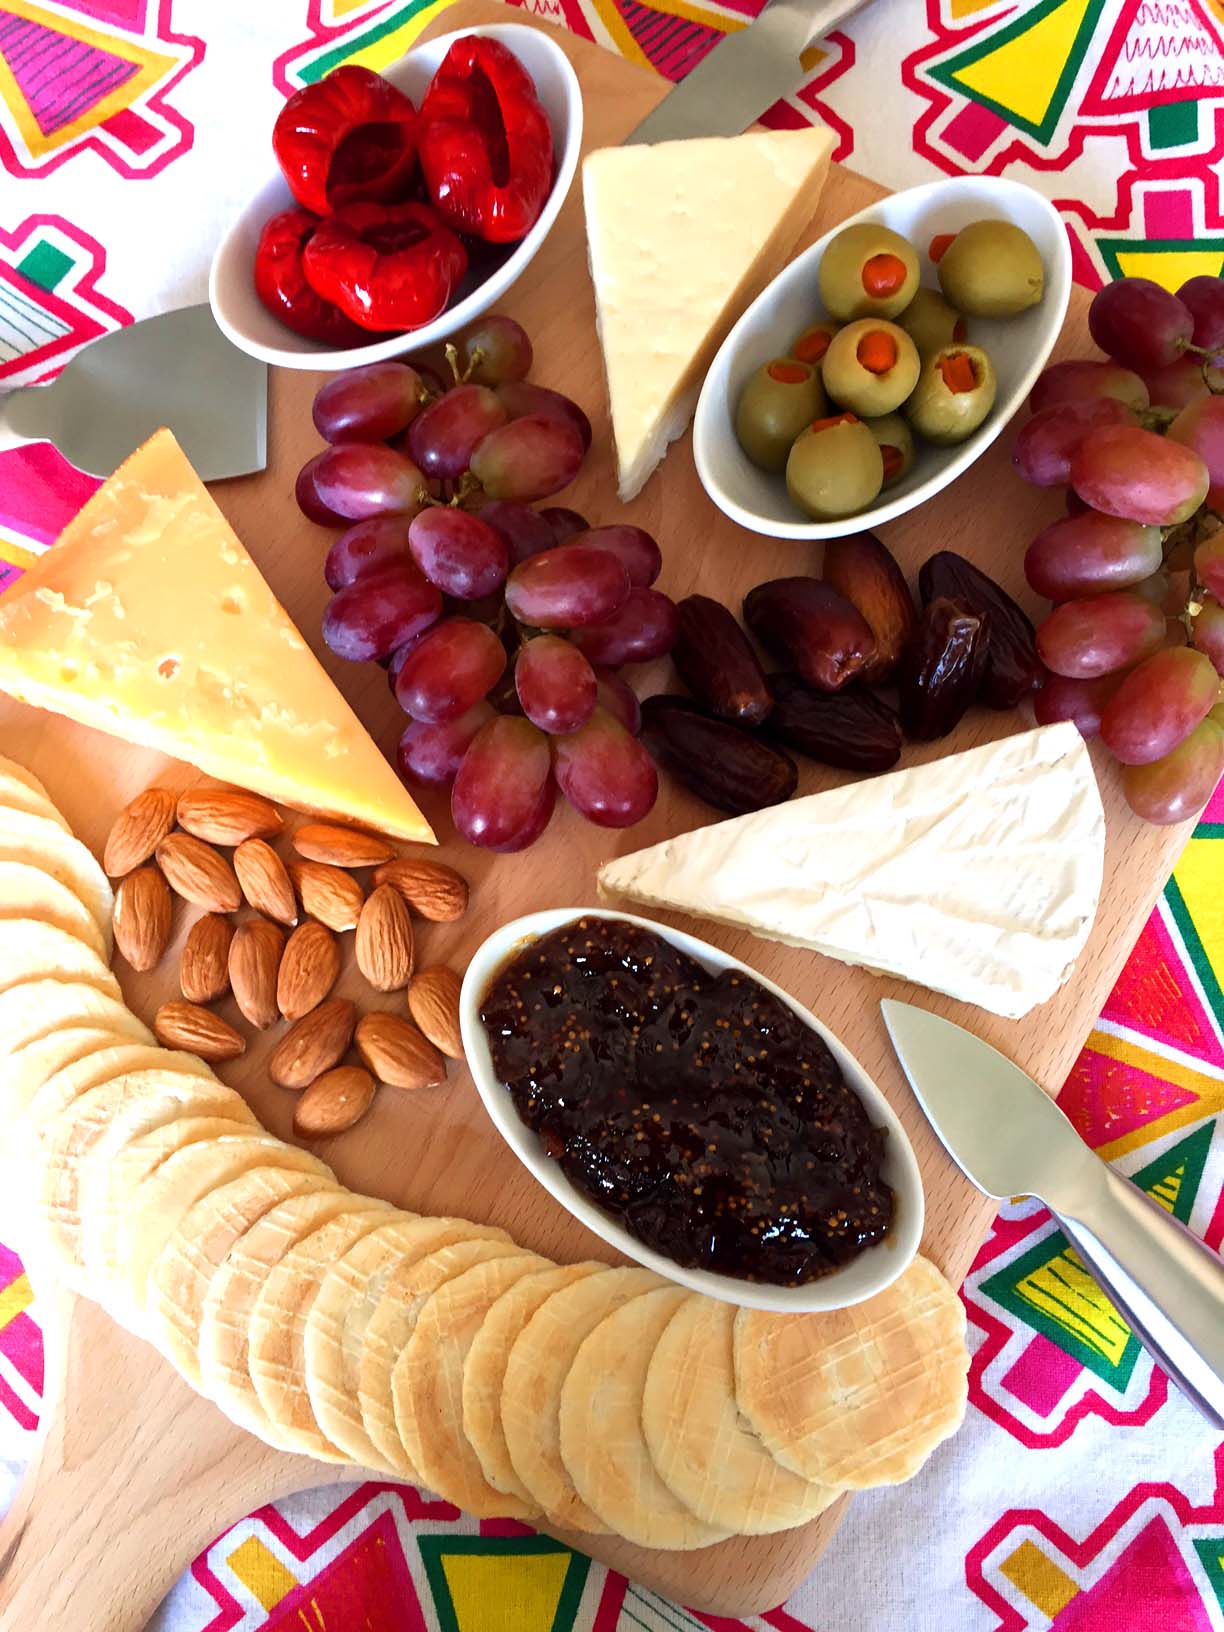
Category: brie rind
[977,875]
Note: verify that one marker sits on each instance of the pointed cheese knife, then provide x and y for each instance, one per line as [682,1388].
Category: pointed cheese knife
[1010,1138]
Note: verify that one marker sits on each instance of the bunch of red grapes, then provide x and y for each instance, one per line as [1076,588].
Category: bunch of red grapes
[1138,441]
[501,626]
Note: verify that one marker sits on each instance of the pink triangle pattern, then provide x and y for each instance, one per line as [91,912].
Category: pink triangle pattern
[122,13]
[60,77]
[369,1585]
[1156,54]
[1107,1100]
[1149,1571]
[1154,996]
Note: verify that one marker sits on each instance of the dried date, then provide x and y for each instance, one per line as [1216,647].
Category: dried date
[1013,668]
[811,627]
[715,659]
[852,729]
[864,571]
[942,668]
[718,761]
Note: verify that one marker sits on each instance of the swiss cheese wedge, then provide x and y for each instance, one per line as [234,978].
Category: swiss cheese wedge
[682,235]
[149,620]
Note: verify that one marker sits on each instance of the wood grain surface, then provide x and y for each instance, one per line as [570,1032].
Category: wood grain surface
[137,1473]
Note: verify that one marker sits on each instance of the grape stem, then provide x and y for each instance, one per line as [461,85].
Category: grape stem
[474,361]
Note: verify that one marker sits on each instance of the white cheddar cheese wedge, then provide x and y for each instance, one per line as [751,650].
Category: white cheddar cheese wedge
[682,235]
[977,875]
[149,620]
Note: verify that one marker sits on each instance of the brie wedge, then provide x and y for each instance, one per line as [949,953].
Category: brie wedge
[977,875]
[682,235]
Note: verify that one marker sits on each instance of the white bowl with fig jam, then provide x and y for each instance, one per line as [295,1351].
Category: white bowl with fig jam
[501,972]
[1017,346]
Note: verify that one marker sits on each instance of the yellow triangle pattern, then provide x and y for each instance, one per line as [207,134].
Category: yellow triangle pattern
[1198,878]
[497,1594]
[380,54]
[1171,268]
[1063,1291]
[1023,73]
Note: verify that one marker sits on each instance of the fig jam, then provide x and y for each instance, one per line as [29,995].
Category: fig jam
[694,1108]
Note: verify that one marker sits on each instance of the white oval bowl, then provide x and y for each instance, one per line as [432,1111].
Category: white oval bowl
[231,281]
[1018,347]
[874,1268]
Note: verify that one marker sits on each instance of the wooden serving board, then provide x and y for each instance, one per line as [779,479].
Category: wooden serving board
[137,1472]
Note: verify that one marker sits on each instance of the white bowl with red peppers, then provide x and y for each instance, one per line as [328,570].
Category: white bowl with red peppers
[333,134]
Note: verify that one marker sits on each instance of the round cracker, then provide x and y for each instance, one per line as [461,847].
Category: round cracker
[58,1093]
[38,1007]
[21,790]
[427,1386]
[700,1442]
[29,1067]
[197,1247]
[531,1391]
[335,1328]
[30,892]
[602,1443]
[41,842]
[858,1396]
[391,1324]
[232,1292]
[275,1353]
[484,1370]
[33,950]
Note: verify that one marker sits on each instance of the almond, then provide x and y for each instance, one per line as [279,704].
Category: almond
[204,966]
[265,881]
[142,918]
[431,889]
[433,1002]
[198,873]
[227,815]
[397,1054]
[200,1031]
[313,1045]
[309,969]
[340,846]
[383,943]
[254,960]
[138,830]
[333,1102]
[333,897]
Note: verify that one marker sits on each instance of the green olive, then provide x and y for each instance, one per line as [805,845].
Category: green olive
[931,323]
[991,269]
[895,441]
[870,367]
[811,345]
[779,400]
[867,271]
[955,392]
[835,468]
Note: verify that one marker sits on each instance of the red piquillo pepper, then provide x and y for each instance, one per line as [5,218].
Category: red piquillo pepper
[280,282]
[387,266]
[350,138]
[485,142]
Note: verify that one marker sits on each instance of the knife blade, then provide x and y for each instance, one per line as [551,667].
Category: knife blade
[1009,1138]
[745,73]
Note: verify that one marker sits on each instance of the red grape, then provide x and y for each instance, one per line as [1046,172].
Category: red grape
[1088,554]
[519,399]
[1139,324]
[1209,564]
[449,670]
[368,404]
[555,684]
[309,502]
[567,588]
[1200,426]
[605,773]
[503,787]
[1203,298]
[442,437]
[527,458]
[459,552]
[361,479]
[1081,380]
[1078,700]
[1154,588]
[364,547]
[647,626]
[1158,704]
[632,546]
[620,699]
[430,755]
[1046,443]
[1177,787]
[1178,383]
[526,531]
[1208,632]
[494,350]
[370,617]
[564,523]
[1124,471]
[1082,639]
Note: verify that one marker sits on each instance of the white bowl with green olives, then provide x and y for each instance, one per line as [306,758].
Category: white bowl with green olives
[909,379]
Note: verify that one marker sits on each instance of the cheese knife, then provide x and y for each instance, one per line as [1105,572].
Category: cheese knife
[745,73]
[1010,1138]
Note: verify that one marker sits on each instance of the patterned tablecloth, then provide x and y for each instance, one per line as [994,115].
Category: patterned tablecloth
[1082,1492]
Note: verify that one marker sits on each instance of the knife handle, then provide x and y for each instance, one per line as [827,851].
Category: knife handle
[1164,1282]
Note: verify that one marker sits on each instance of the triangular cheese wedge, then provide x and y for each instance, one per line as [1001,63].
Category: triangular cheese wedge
[682,235]
[977,875]
[149,620]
